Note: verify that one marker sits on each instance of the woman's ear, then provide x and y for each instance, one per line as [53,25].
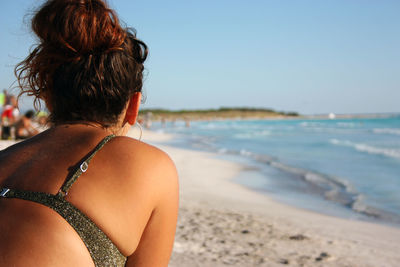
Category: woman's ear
[133,108]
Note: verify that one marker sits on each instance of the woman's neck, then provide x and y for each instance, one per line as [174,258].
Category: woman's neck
[90,126]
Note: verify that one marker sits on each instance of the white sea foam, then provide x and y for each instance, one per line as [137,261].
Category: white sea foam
[314,178]
[346,124]
[243,135]
[395,131]
[209,126]
[360,206]
[244,152]
[311,124]
[393,153]
[222,150]
[250,135]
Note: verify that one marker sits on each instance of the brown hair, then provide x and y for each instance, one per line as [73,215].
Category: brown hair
[86,66]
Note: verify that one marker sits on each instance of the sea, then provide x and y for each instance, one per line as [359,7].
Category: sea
[341,167]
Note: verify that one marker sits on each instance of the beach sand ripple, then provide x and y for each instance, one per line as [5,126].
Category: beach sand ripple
[220,237]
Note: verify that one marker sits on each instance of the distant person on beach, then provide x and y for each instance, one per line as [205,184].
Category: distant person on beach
[24,128]
[147,120]
[3,97]
[187,122]
[81,193]
[9,116]
[2,103]
[42,118]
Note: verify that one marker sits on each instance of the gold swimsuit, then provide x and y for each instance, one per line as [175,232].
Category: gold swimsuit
[101,248]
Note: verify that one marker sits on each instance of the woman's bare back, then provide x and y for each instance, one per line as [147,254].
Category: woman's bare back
[124,191]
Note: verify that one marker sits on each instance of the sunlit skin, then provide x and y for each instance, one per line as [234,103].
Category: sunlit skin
[130,191]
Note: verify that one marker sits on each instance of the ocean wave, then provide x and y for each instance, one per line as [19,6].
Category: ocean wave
[222,151]
[392,153]
[311,124]
[244,152]
[337,190]
[395,131]
[346,124]
[331,188]
[359,205]
[330,129]
[254,134]
[322,181]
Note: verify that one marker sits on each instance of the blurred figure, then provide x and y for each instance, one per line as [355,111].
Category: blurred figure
[42,120]
[187,122]
[147,120]
[24,128]
[3,97]
[9,116]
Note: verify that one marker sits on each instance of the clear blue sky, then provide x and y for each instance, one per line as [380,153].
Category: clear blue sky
[339,56]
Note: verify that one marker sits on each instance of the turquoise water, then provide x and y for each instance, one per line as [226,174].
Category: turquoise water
[349,164]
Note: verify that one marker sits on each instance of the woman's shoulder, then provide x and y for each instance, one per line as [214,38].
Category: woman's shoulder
[136,157]
[141,170]
[136,150]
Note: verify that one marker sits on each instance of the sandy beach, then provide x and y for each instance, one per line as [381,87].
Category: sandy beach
[222,223]
[225,224]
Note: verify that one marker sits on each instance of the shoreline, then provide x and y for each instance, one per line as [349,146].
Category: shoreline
[223,223]
[293,187]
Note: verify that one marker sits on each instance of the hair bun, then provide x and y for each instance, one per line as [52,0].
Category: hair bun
[78,27]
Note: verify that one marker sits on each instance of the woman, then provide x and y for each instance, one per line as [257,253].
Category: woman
[81,193]
[9,116]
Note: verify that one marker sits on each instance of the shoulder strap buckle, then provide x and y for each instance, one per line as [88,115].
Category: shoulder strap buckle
[84,166]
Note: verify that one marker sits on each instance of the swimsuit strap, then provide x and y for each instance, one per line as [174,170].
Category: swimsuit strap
[102,250]
[82,167]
